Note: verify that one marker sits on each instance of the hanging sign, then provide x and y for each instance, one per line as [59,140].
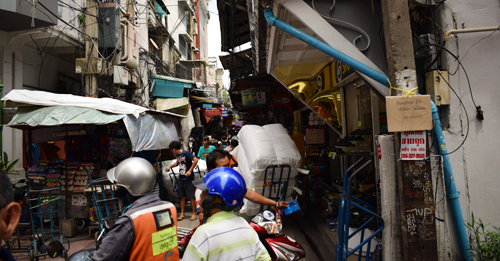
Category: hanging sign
[409,114]
[283,100]
[413,145]
[261,97]
[210,113]
[248,97]
[225,113]
[207,106]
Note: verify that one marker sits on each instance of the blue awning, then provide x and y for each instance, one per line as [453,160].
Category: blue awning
[168,87]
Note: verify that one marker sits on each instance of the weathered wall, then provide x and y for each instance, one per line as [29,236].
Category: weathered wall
[475,165]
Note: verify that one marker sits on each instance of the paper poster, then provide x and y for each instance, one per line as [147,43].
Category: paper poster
[261,97]
[409,114]
[78,200]
[248,97]
[413,145]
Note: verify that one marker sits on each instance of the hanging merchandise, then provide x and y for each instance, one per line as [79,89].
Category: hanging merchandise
[118,150]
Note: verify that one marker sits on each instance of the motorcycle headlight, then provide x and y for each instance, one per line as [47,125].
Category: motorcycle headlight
[271,227]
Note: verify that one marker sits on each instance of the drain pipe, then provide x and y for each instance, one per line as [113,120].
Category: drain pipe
[452,194]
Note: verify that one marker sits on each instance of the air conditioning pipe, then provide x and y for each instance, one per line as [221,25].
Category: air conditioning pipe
[469,30]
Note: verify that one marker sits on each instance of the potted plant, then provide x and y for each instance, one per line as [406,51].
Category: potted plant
[7,165]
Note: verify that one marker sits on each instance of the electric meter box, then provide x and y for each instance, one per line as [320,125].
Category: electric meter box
[109,29]
[437,87]
[120,75]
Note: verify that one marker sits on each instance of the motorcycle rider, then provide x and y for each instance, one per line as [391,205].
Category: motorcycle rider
[147,230]
[225,236]
[219,158]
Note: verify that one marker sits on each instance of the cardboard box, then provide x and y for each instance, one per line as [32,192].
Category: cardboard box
[315,136]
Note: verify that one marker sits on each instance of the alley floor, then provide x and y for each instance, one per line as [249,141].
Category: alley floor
[310,232]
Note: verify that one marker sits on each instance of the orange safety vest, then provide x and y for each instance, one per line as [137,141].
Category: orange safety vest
[232,160]
[155,233]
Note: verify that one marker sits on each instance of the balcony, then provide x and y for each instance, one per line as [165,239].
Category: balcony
[186,4]
[16,15]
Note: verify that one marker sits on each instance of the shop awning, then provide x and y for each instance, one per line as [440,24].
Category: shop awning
[148,131]
[179,105]
[168,87]
[203,99]
[34,116]
[305,18]
[17,98]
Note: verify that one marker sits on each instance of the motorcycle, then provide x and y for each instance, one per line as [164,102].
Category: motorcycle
[268,225]
[20,191]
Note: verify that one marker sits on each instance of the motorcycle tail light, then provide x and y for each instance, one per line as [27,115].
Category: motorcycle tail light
[288,254]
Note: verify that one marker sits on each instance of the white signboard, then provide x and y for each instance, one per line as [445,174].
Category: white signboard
[261,98]
[413,144]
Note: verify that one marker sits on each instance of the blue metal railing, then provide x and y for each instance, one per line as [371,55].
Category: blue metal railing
[346,202]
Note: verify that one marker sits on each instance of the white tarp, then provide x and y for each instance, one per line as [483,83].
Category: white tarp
[259,148]
[58,115]
[150,132]
[187,124]
[53,99]
[268,145]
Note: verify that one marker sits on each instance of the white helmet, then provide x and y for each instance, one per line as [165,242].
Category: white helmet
[135,174]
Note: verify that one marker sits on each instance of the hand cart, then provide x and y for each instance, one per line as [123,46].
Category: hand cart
[45,204]
[276,179]
[175,180]
[106,205]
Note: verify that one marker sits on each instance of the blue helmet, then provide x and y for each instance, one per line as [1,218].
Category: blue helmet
[226,183]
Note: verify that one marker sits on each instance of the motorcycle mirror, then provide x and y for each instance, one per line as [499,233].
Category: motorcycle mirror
[55,249]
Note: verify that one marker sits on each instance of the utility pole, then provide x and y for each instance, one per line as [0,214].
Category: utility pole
[91,29]
[130,10]
[402,74]
[131,19]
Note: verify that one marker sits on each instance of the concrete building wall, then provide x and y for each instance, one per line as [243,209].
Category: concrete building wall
[475,165]
[173,19]
[202,30]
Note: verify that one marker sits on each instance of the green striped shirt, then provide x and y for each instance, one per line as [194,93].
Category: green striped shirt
[225,237]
